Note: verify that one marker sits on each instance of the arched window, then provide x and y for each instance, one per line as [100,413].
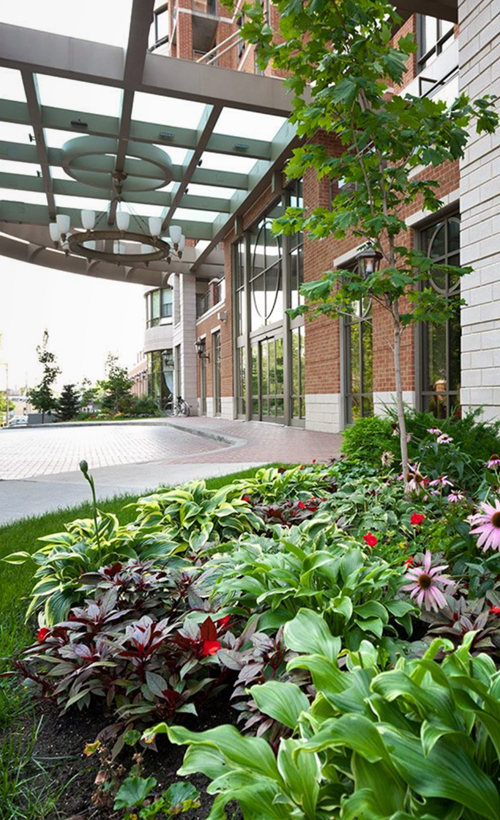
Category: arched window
[440,349]
[358,340]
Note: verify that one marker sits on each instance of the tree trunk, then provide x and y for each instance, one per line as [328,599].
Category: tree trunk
[399,397]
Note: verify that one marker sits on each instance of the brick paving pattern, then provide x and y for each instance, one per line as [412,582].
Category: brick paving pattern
[26,453]
[264,442]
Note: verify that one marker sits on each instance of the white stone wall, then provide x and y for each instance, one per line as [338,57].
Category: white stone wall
[184,334]
[323,412]
[384,401]
[228,405]
[480,209]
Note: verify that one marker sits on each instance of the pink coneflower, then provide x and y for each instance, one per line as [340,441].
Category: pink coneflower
[435,431]
[414,478]
[456,496]
[444,438]
[441,481]
[494,462]
[387,458]
[487,526]
[425,584]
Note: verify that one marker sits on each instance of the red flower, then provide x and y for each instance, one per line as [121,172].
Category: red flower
[370,539]
[495,610]
[409,561]
[313,461]
[301,505]
[301,466]
[223,622]
[42,634]
[210,648]
[245,498]
[417,519]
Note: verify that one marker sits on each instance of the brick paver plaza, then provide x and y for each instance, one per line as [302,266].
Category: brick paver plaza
[39,467]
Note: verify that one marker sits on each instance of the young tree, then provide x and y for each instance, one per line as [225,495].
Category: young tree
[42,397]
[344,72]
[68,403]
[117,386]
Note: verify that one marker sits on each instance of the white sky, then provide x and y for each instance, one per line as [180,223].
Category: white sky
[86,318]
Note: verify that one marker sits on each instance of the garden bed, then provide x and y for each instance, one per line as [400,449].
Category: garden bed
[348,618]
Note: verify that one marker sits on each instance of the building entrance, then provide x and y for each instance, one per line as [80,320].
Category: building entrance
[268,400]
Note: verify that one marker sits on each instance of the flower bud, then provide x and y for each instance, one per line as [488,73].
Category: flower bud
[84,467]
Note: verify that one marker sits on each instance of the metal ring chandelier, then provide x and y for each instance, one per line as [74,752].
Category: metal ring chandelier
[117,245]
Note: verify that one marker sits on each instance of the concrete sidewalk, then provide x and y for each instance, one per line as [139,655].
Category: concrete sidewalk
[207,447]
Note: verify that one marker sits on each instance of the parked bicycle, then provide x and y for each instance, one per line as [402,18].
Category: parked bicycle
[181,407]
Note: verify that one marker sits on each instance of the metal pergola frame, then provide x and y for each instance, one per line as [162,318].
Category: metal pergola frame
[24,231]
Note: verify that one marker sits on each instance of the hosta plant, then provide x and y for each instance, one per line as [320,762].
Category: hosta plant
[67,556]
[194,516]
[419,741]
[326,572]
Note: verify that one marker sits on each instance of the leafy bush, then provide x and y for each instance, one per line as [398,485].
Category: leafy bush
[67,556]
[420,740]
[147,646]
[367,439]
[326,572]
[194,516]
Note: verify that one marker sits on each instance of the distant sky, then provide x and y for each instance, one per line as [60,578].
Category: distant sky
[86,318]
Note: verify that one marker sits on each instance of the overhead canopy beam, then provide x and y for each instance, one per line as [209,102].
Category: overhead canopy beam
[444,9]
[74,59]
[100,125]
[138,36]
[31,92]
[204,132]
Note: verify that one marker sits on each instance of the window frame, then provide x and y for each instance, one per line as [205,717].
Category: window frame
[451,397]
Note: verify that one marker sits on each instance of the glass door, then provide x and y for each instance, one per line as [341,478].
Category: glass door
[268,401]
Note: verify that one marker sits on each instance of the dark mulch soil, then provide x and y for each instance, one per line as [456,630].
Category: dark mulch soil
[62,738]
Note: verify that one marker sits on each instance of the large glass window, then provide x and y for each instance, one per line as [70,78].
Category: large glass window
[298,374]
[358,339]
[275,274]
[158,306]
[216,351]
[161,377]
[434,36]
[440,348]
[266,280]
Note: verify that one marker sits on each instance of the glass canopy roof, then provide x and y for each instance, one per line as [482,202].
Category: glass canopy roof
[83,105]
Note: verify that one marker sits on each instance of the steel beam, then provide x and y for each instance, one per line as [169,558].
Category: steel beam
[31,92]
[70,58]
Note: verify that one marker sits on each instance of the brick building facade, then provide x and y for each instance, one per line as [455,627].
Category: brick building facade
[257,364]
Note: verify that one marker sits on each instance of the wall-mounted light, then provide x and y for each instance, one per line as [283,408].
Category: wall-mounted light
[200,349]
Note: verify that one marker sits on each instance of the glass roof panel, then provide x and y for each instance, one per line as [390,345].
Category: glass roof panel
[56,172]
[85,97]
[167,110]
[27,168]
[141,209]
[248,124]
[94,204]
[30,197]
[11,85]
[177,155]
[101,21]
[194,215]
[15,132]
[226,162]
[56,138]
[210,190]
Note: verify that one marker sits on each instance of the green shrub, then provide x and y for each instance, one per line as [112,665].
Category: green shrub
[367,439]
